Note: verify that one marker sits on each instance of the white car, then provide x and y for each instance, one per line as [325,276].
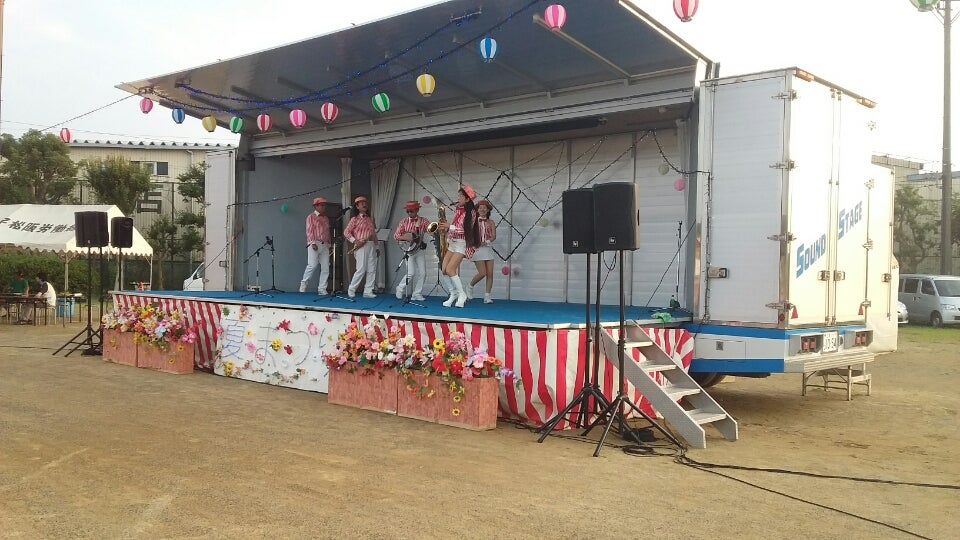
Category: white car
[195,281]
[903,316]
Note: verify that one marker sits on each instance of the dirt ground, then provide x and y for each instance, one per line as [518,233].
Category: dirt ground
[90,449]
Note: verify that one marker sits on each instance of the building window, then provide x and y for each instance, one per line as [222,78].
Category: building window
[162,168]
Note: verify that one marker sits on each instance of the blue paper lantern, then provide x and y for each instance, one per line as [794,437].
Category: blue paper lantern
[488,49]
[178,115]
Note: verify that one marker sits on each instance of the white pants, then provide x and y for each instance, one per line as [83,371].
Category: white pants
[317,257]
[366,257]
[416,273]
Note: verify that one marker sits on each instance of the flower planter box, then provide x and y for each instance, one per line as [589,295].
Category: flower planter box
[413,406]
[372,391]
[177,359]
[378,392]
[120,347]
[477,408]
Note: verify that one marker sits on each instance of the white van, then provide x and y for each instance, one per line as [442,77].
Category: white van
[931,298]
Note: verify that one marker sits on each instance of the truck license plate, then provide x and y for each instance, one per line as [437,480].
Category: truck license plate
[831,342]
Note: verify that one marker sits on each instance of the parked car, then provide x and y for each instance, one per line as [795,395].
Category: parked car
[931,298]
[195,281]
[903,316]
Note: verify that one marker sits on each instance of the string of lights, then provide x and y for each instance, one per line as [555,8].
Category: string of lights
[341,88]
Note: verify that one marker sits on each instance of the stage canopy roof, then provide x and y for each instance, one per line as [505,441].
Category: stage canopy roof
[610,62]
[51,228]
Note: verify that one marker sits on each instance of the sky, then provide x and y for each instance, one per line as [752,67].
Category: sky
[63,58]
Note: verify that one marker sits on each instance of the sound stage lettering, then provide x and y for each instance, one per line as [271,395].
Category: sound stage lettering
[283,347]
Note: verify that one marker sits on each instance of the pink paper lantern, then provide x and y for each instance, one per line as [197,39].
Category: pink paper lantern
[65,135]
[298,118]
[329,111]
[146,105]
[505,270]
[680,184]
[555,16]
[427,199]
[685,9]
[264,122]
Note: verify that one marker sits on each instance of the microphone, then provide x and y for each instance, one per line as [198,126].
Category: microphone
[269,241]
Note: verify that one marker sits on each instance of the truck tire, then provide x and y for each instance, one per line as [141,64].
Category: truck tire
[708,379]
[936,320]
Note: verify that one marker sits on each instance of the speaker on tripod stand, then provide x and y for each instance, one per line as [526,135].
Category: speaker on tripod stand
[91,232]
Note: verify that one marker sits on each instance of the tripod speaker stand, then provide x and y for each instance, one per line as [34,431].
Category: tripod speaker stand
[93,338]
[616,410]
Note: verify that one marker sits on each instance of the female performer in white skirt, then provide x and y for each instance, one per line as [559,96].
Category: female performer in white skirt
[462,241]
[483,258]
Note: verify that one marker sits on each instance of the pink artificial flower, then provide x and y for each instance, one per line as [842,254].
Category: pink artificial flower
[288,348]
[284,325]
[312,329]
[251,346]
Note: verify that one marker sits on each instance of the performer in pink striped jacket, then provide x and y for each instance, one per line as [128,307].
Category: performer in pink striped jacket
[483,258]
[362,232]
[462,241]
[318,246]
[411,231]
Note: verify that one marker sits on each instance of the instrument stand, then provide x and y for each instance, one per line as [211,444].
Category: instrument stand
[94,338]
[621,405]
[256,287]
[590,400]
[406,285]
[335,292]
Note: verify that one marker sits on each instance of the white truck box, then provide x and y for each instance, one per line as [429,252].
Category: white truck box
[784,200]
[219,187]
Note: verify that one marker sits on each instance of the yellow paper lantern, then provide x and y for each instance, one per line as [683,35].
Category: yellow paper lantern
[209,123]
[426,84]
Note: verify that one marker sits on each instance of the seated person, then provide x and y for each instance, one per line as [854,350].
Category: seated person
[44,290]
[19,286]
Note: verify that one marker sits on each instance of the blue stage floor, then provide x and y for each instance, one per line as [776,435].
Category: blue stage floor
[501,312]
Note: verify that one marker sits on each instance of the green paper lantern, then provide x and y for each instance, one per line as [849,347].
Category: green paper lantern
[284,208]
[236,124]
[381,102]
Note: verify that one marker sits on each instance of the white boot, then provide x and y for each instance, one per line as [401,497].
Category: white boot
[447,284]
[487,299]
[469,290]
[461,294]
[303,286]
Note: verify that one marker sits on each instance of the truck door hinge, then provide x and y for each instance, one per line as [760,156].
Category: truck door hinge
[839,275]
[869,183]
[866,303]
[823,275]
[788,165]
[868,245]
[886,278]
[789,94]
[780,306]
[785,237]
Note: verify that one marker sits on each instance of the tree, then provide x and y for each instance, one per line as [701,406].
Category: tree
[191,187]
[37,169]
[115,180]
[915,228]
[162,236]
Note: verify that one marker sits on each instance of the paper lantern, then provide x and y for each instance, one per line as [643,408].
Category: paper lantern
[298,118]
[427,199]
[555,16]
[663,168]
[178,115]
[146,105]
[209,123]
[680,184]
[505,270]
[488,49]
[685,9]
[381,102]
[284,208]
[426,84]
[236,124]
[65,135]
[264,122]
[329,112]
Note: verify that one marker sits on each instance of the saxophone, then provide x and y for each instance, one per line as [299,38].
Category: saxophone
[439,238]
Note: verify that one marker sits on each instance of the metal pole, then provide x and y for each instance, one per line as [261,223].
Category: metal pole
[946,215]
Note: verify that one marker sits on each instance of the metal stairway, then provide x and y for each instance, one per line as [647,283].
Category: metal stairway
[695,407]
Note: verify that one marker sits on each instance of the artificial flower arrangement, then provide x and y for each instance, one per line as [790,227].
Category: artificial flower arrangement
[372,348]
[152,326]
[368,350]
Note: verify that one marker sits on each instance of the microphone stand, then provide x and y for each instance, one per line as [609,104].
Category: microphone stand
[256,287]
[336,225]
[273,267]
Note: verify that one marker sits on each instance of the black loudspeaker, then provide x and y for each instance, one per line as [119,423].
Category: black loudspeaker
[91,229]
[121,232]
[578,221]
[616,220]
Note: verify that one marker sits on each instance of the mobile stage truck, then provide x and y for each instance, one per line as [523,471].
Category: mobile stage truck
[760,217]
